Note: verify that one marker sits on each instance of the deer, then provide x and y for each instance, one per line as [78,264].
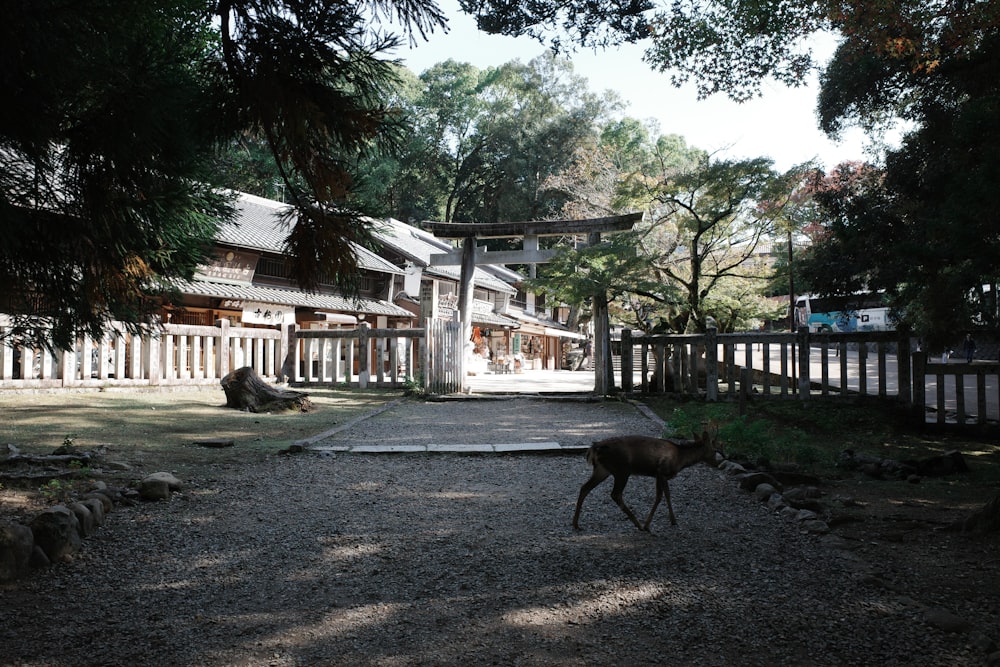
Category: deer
[661,458]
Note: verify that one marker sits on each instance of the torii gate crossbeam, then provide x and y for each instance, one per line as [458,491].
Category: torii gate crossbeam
[469,255]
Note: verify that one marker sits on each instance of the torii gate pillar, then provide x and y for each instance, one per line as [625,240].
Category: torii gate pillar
[530,254]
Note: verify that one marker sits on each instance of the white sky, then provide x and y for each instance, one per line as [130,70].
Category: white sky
[780,125]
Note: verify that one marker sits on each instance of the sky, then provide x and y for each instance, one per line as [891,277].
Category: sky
[780,125]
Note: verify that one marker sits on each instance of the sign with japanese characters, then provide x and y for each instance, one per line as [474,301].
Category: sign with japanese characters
[255,312]
[229,266]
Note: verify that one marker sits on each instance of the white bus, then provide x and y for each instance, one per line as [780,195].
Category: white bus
[857,312]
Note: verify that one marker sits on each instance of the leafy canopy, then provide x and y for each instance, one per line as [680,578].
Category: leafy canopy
[116,110]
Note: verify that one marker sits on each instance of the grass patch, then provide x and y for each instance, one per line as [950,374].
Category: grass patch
[811,436]
[157,429]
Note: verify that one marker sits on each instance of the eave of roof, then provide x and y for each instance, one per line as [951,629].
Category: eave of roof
[258,226]
[286,297]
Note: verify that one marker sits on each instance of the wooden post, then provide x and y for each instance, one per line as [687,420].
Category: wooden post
[364,372]
[711,364]
[903,384]
[919,385]
[626,360]
[804,379]
[286,370]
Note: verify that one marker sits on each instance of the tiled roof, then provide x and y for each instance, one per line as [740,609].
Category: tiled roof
[258,226]
[493,319]
[287,297]
[418,246]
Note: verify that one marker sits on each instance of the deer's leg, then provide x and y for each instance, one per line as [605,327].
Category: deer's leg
[600,474]
[660,485]
[616,495]
[670,506]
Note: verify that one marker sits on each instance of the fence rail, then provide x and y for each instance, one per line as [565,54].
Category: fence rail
[799,365]
[807,366]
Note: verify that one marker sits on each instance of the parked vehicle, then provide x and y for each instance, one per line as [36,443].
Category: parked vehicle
[845,314]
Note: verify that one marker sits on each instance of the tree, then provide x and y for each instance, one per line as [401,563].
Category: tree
[106,191]
[732,47]
[709,227]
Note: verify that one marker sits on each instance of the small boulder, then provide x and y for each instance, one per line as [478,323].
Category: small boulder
[172,482]
[57,532]
[84,518]
[96,508]
[154,489]
[158,486]
[763,492]
[750,481]
[100,497]
[16,545]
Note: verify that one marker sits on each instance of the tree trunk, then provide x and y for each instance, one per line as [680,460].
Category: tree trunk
[246,390]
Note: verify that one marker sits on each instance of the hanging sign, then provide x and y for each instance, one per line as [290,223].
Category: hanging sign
[229,266]
[255,312]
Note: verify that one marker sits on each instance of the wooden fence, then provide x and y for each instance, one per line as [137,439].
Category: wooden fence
[192,355]
[799,365]
[807,366]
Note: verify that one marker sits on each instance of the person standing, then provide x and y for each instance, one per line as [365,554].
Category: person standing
[970,347]
[588,351]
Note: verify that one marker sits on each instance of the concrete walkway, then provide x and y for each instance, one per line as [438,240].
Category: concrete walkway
[540,382]
[465,425]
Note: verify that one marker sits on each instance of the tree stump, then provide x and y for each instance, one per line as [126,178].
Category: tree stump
[984,520]
[246,390]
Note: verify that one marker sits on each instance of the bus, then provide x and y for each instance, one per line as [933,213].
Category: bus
[856,312]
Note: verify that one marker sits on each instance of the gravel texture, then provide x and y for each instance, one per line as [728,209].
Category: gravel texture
[435,559]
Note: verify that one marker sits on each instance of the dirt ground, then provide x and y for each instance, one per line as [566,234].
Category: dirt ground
[337,559]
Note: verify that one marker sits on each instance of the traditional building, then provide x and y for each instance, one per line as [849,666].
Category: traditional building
[248,281]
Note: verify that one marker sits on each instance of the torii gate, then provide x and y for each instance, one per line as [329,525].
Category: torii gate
[470,254]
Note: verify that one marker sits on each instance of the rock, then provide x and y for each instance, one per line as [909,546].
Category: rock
[938,466]
[764,491]
[805,515]
[172,482]
[802,493]
[215,443]
[943,619]
[751,480]
[96,508]
[776,501]
[57,532]
[732,468]
[85,518]
[100,497]
[16,545]
[816,526]
[158,486]
[154,489]
[38,558]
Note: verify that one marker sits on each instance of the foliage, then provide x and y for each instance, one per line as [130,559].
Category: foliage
[811,437]
[921,230]
[708,228]
[482,142]
[55,491]
[696,260]
[734,46]
[107,143]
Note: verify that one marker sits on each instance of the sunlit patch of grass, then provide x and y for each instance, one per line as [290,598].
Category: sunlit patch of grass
[813,435]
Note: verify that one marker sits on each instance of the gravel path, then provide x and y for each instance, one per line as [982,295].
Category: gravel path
[392,560]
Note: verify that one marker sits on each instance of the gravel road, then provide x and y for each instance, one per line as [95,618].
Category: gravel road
[392,560]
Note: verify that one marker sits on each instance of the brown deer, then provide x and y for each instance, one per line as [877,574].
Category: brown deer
[649,457]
